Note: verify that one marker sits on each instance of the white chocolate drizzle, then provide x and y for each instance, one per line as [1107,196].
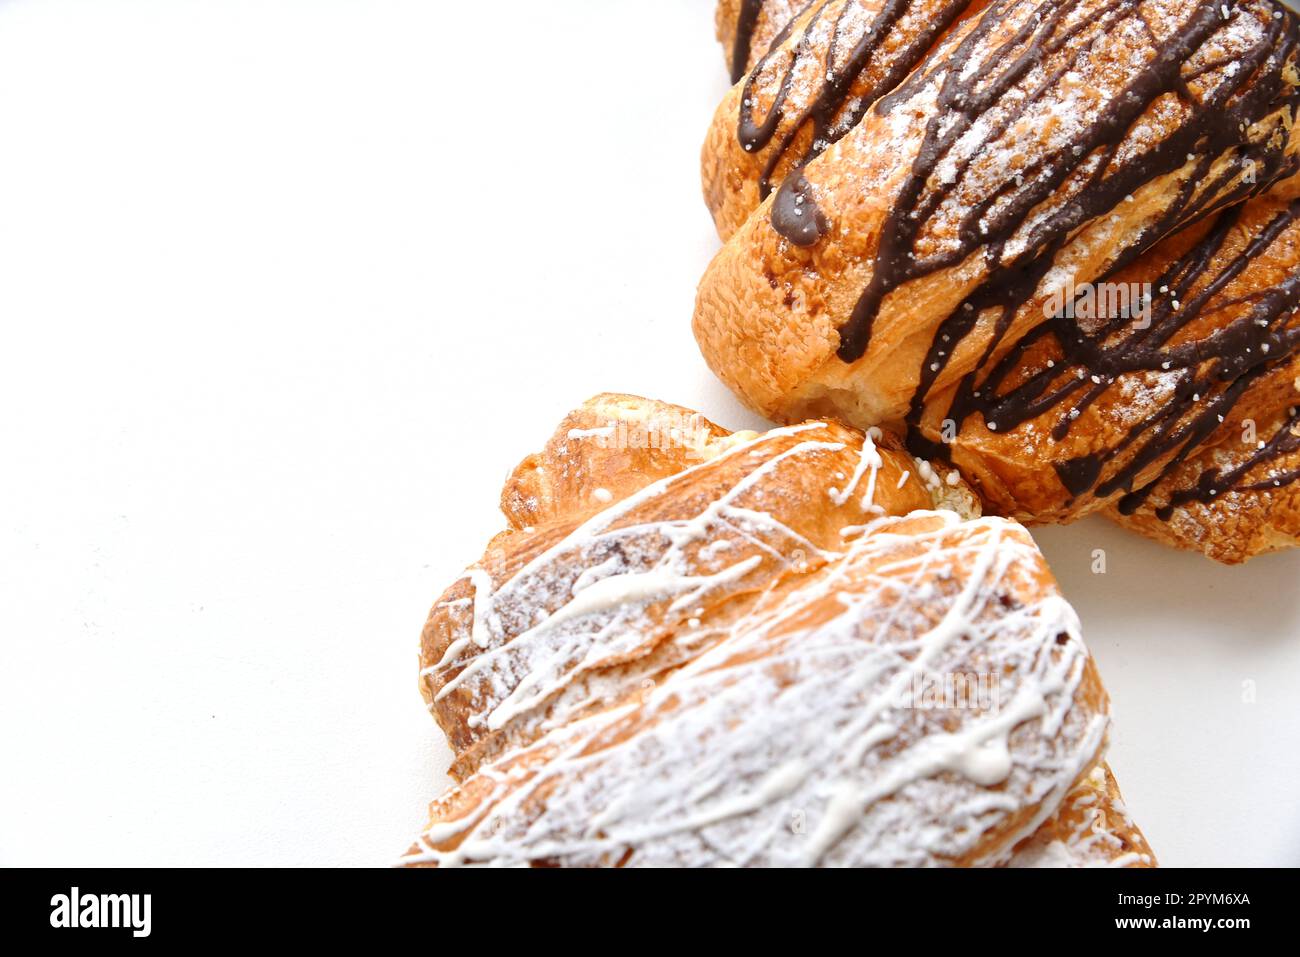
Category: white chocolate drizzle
[781,737]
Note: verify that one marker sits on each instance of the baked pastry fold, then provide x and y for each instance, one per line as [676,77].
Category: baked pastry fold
[793,648]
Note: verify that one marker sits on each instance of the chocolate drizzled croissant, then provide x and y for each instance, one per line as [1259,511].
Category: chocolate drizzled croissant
[938,267]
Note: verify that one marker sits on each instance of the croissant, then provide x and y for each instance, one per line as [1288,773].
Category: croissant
[1060,254]
[694,647]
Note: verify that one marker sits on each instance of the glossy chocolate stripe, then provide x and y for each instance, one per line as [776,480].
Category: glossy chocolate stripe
[1213,372]
[837,106]
[744,40]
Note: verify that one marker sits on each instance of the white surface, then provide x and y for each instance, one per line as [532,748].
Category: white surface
[287,287]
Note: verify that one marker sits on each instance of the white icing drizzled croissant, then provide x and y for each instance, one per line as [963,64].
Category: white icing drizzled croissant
[698,648]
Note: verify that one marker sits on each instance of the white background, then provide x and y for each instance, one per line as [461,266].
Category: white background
[286,288]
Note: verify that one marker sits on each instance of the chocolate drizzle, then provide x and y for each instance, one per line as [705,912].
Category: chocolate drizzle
[795,215]
[998,81]
[1204,376]
[838,104]
[1052,41]
[745,24]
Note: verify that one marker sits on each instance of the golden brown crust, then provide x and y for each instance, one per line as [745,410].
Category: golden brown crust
[1259,514]
[649,441]
[1092,828]
[729,602]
